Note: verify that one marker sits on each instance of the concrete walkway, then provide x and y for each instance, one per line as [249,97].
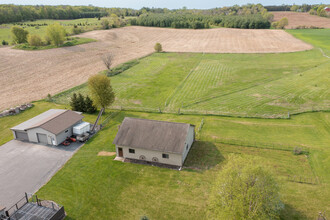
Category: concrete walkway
[25,167]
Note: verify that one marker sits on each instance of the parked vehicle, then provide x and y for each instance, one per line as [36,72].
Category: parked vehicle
[83,137]
[66,143]
[71,139]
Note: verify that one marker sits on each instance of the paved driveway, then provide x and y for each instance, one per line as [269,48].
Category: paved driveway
[25,167]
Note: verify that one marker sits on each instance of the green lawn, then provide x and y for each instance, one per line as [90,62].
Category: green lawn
[87,24]
[255,85]
[90,186]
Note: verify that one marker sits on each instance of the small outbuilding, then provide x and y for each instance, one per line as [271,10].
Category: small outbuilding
[51,127]
[154,141]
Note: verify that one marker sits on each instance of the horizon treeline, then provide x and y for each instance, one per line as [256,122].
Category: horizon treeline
[249,16]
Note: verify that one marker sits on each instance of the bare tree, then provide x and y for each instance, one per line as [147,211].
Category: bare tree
[108,60]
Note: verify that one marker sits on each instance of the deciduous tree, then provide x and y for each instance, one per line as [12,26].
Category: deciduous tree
[101,90]
[158,47]
[245,189]
[34,40]
[19,34]
[108,60]
[56,34]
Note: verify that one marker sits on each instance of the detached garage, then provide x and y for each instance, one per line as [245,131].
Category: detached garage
[154,141]
[51,127]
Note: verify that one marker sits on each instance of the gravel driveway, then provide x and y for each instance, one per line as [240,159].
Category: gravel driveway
[25,167]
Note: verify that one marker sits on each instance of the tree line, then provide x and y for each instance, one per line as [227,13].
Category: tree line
[200,21]
[17,13]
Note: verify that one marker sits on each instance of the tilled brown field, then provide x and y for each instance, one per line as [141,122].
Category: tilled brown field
[31,75]
[302,19]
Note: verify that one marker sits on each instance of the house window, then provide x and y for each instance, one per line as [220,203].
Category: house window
[166,156]
[66,131]
[132,151]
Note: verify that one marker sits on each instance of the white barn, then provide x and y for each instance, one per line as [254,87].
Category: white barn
[51,127]
[154,141]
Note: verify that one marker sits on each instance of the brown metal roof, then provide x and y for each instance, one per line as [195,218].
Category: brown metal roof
[53,120]
[61,122]
[152,135]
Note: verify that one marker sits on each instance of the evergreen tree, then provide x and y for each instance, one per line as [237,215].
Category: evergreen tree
[81,103]
[74,103]
[89,106]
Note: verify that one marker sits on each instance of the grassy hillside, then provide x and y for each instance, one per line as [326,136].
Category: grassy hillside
[255,85]
[319,38]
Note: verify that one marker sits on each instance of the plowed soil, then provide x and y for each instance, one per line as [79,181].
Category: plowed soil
[302,19]
[31,75]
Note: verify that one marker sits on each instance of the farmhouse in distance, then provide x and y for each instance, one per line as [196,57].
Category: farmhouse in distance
[154,141]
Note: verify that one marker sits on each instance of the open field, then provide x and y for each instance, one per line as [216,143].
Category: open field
[111,184]
[302,19]
[89,24]
[31,75]
[223,84]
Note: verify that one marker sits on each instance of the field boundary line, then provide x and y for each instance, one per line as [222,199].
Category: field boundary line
[324,54]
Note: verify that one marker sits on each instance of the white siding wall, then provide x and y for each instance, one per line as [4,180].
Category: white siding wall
[174,159]
[32,133]
[63,135]
[189,141]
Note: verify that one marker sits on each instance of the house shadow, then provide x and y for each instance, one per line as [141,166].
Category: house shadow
[202,156]
[290,212]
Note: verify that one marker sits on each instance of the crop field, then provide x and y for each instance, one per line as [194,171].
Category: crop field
[302,19]
[255,85]
[56,70]
[91,186]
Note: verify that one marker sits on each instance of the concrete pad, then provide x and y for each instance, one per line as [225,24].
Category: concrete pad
[26,167]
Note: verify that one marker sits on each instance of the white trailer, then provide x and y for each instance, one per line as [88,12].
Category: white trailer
[81,128]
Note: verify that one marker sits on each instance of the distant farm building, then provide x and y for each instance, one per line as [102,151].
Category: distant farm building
[154,141]
[51,127]
[327,9]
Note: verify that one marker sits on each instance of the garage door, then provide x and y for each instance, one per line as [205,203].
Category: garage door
[21,136]
[42,138]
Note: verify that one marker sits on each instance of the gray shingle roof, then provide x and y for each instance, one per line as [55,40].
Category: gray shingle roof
[152,135]
[53,120]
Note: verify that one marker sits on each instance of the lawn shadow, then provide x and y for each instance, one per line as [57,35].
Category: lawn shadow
[203,155]
[290,212]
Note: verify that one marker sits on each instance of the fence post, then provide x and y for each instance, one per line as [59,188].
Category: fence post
[26,196]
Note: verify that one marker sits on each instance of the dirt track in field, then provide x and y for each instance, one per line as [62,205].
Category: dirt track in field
[302,19]
[31,75]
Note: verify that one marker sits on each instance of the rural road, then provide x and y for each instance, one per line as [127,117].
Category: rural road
[25,167]
[31,75]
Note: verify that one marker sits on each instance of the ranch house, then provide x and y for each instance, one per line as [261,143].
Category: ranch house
[154,141]
[51,127]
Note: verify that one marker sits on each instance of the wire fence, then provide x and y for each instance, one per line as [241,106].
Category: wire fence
[182,111]
[256,144]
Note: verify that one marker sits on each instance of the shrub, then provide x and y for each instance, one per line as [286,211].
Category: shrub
[122,68]
[4,42]
[34,40]
[158,47]
[56,34]
[77,30]
[297,151]
[68,44]
[19,34]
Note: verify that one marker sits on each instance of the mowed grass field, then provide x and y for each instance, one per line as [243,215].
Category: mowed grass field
[96,187]
[88,24]
[254,85]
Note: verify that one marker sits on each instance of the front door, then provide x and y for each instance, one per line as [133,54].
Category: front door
[120,152]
